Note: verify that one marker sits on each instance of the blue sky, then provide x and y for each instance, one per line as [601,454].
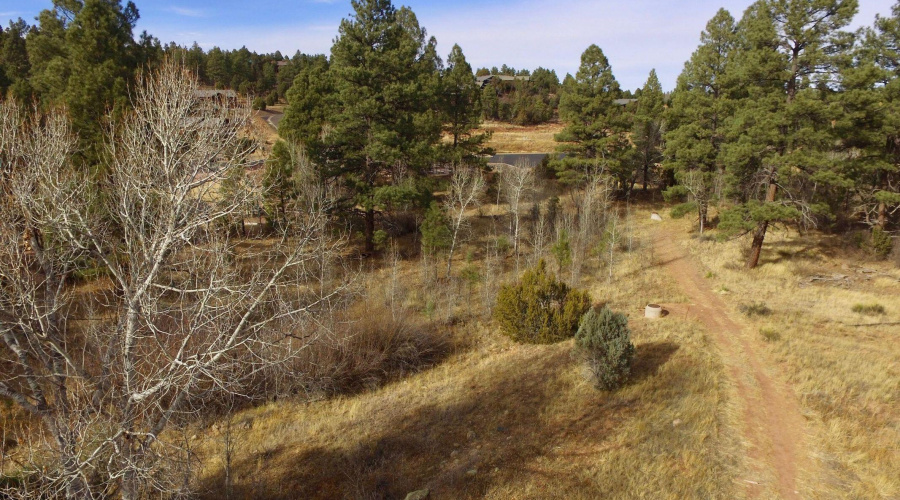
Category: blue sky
[636,35]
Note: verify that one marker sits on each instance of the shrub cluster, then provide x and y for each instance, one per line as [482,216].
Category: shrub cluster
[755,309]
[869,309]
[882,244]
[258,103]
[682,209]
[363,348]
[770,335]
[604,341]
[539,309]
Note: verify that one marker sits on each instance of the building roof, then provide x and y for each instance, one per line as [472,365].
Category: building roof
[624,102]
[486,79]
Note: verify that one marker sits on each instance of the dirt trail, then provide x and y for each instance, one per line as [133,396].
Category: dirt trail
[774,428]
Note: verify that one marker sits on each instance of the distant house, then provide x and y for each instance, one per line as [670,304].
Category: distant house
[485,80]
[227,98]
[216,101]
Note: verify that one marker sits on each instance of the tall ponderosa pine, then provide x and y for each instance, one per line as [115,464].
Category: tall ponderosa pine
[702,103]
[868,128]
[647,132]
[596,125]
[461,109]
[380,134]
[780,150]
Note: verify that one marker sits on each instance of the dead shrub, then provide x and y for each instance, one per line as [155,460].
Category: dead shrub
[755,309]
[365,347]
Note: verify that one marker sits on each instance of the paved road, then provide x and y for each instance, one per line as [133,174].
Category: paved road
[274,119]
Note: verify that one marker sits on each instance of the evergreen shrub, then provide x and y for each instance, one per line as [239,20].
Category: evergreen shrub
[604,342]
[882,244]
[539,309]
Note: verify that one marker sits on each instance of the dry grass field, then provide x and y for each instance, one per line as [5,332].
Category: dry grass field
[500,420]
[813,304]
[425,393]
[509,138]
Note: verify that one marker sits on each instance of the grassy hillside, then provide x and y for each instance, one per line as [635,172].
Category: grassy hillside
[500,420]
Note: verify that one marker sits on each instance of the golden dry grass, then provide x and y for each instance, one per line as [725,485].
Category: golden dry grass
[843,365]
[509,138]
[500,420]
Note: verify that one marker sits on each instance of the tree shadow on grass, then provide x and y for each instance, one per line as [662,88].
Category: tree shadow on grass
[649,358]
[495,434]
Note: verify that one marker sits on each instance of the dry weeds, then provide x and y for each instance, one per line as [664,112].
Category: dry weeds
[509,138]
[500,420]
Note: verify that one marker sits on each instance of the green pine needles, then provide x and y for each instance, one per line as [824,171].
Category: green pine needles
[604,341]
[539,309]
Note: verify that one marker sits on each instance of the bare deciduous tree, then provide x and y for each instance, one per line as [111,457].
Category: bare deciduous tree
[592,203]
[516,182]
[179,314]
[612,238]
[466,188]
[697,185]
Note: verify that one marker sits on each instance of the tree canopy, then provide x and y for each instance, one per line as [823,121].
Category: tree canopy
[596,124]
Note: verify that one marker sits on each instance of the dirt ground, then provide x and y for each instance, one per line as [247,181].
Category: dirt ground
[773,426]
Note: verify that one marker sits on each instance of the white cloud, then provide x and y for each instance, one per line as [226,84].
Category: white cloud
[185,11]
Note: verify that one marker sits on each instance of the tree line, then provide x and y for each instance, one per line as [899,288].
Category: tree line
[83,54]
[781,117]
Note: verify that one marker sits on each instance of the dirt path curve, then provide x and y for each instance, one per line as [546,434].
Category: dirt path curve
[774,428]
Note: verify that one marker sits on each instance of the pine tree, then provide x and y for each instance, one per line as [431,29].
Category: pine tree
[217,68]
[83,55]
[647,132]
[435,229]
[490,103]
[702,103]
[596,125]
[868,127]
[14,65]
[462,110]
[310,102]
[780,147]
[385,126]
